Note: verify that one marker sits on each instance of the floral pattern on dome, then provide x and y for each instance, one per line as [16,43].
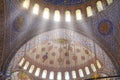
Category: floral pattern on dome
[63,48]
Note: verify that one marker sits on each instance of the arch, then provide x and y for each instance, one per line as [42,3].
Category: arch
[44,74]
[36,9]
[57,15]
[67,76]
[78,14]
[74,74]
[59,76]
[99,6]
[109,2]
[21,62]
[51,76]
[46,13]
[93,67]
[81,73]
[31,68]
[26,4]
[37,72]
[87,70]
[89,11]
[26,65]
[67,16]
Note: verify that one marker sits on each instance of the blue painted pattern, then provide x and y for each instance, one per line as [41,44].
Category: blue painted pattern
[66,2]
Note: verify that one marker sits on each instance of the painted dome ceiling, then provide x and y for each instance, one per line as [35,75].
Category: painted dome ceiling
[60,53]
[59,50]
[66,2]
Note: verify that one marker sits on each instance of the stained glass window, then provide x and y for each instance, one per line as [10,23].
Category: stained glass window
[67,76]
[51,75]
[26,4]
[46,13]
[44,74]
[87,70]
[78,15]
[31,69]
[93,67]
[21,62]
[36,9]
[26,65]
[89,11]
[67,16]
[57,15]
[73,74]
[59,76]
[109,2]
[99,6]
[37,72]
[81,73]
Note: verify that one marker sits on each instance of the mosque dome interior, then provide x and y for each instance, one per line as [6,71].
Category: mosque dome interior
[60,40]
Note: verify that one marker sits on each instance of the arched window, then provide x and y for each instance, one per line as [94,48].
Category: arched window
[109,2]
[98,64]
[26,65]
[57,15]
[36,9]
[44,74]
[46,13]
[31,68]
[78,15]
[59,76]
[73,74]
[93,67]
[81,73]
[37,72]
[67,16]
[26,4]
[21,62]
[89,11]
[51,75]
[67,76]
[87,70]
[99,6]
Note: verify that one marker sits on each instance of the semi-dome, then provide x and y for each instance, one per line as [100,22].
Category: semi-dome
[61,52]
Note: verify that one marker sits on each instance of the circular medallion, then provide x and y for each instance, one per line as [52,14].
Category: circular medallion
[105,27]
[18,23]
